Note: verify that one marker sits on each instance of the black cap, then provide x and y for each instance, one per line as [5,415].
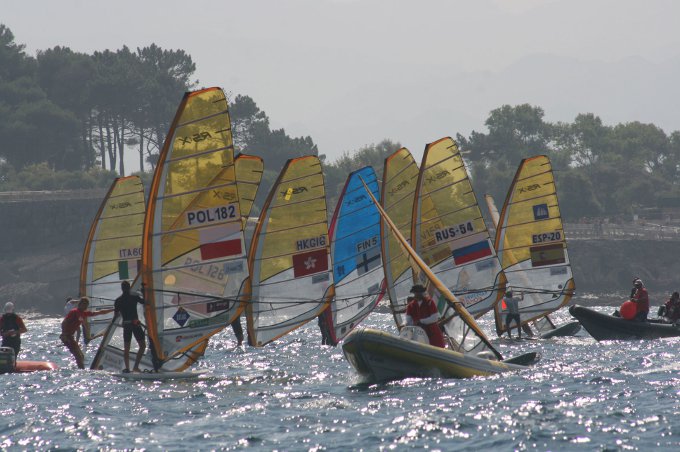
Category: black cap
[418,288]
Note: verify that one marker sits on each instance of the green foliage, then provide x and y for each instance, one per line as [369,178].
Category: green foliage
[600,170]
[41,176]
[337,172]
[252,135]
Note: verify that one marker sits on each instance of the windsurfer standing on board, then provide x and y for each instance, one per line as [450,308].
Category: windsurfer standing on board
[126,307]
[641,299]
[71,324]
[423,312]
[512,303]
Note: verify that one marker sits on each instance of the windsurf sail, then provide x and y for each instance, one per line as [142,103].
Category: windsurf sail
[355,250]
[400,177]
[289,257]
[531,244]
[194,251]
[113,250]
[193,263]
[449,231]
[462,331]
[544,324]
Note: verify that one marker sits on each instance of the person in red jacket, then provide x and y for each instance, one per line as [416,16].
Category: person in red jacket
[422,312]
[671,309]
[71,324]
[641,300]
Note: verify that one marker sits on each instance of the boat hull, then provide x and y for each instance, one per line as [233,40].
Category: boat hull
[568,329]
[34,366]
[381,356]
[607,327]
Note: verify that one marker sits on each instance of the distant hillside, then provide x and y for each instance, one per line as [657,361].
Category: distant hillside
[42,242]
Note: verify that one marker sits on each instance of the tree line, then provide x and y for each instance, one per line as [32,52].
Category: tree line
[68,118]
[600,170]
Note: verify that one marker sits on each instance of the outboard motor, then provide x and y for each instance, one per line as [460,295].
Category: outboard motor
[7,360]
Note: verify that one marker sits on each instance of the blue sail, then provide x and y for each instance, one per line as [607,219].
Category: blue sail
[355,247]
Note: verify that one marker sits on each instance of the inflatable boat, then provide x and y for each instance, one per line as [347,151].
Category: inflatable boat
[605,327]
[381,356]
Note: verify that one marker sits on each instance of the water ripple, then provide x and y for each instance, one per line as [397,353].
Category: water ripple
[298,395]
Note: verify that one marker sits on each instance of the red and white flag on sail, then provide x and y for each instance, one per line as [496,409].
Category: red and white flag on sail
[220,241]
[311,262]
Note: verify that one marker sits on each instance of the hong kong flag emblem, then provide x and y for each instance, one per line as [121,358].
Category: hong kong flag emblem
[311,262]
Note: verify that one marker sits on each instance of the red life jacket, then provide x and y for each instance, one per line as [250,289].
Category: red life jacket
[641,299]
[423,311]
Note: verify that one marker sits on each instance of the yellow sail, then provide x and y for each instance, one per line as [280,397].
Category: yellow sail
[531,244]
[400,177]
[289,256]
[449,232]
[113,250]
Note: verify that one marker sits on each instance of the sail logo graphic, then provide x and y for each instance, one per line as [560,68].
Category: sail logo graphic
[181,316]
[399,187]
[227,196]
[356,200]
[121,205]
[541,212]
[307,244]
[438,176]
[196,138]
[287,194]
[531,187]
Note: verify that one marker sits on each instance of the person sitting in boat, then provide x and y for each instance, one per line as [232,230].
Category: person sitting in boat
[641,300]
[512,305]
[126,307]
[12,327]
[71,324]
[422,312]
[671,309]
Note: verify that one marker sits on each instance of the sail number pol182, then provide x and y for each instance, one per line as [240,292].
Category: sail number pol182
[546,237]
[211,214]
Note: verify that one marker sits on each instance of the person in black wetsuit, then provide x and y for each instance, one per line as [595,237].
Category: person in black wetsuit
[238,330]
[126,307]
[11,327]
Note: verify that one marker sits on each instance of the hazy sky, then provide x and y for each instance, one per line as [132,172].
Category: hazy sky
[350,72]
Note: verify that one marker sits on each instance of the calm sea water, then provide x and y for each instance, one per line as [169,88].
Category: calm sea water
[298,395]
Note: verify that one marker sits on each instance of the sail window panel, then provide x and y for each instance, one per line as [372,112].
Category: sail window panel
[187,175]
[249,170]
[203,104]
